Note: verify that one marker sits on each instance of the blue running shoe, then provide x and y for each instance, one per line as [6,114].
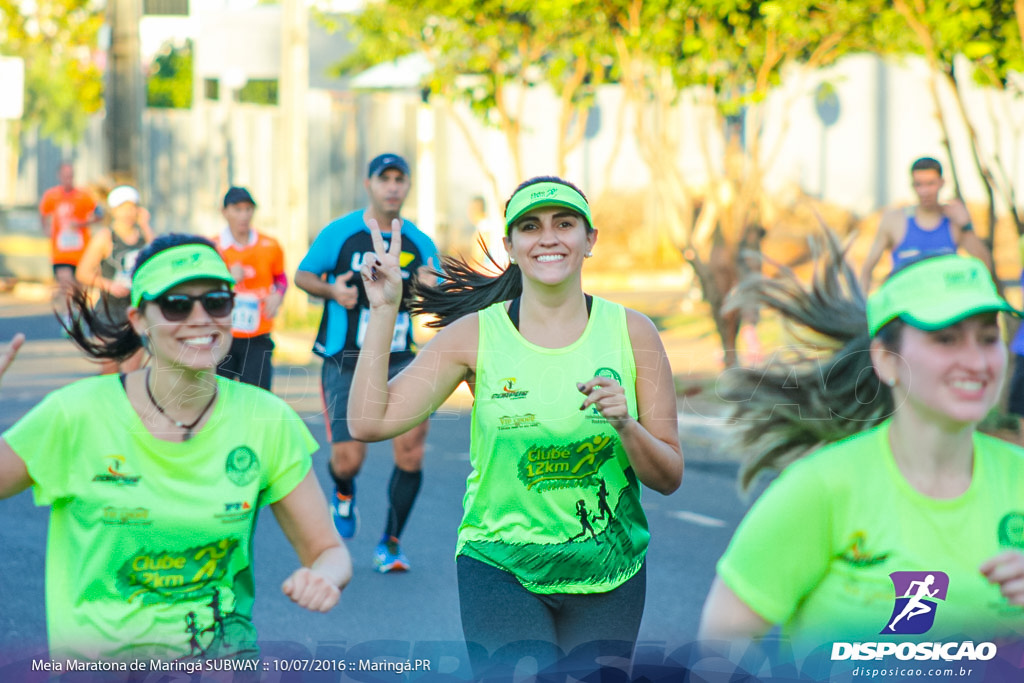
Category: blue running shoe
[346,518]
[388,557]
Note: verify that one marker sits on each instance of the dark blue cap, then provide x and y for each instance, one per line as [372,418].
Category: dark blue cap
[384,162]
[237,195]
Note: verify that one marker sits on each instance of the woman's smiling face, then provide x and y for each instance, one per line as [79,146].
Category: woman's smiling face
[950,375]
[199,342]
[549,243]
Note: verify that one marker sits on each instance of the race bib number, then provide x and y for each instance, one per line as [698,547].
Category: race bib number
[125,268]
[69,239]
[398,339]
[245,317]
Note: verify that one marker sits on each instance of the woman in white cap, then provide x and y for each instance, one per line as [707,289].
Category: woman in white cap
[893,487]
[145,560]
[574,409]
[108,262]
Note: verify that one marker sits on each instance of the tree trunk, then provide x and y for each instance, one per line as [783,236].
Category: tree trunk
[717,276]
[474,149]
[983,171]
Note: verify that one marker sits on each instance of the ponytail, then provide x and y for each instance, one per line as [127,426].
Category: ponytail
[464,289]
[97,331]
[788,408]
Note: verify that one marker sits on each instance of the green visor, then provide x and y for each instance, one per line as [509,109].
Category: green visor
[175,265]
[935,293]
[545,194]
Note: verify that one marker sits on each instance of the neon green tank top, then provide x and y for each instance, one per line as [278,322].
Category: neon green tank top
[552,497]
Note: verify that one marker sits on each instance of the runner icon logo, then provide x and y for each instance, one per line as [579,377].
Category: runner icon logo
[917,596]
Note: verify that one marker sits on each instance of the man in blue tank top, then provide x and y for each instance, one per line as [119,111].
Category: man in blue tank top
[931,228]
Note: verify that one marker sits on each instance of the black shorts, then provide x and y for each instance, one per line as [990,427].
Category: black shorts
[336,382]
[504,622]
[249,361]
[62,266]
[1015,404]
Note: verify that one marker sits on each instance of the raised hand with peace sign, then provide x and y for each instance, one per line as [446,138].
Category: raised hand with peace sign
[382,275]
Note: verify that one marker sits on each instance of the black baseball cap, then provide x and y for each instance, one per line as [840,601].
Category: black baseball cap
[384,162]
[237,195]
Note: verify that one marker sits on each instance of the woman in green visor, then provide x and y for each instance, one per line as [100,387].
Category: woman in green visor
[154,478]
[574,409]
[899,521]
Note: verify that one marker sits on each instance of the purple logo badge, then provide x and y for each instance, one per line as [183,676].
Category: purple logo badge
[917,594]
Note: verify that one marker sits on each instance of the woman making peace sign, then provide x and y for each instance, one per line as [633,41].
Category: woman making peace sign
[573,395]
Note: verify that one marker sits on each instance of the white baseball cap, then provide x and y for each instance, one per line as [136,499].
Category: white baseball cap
[121,194]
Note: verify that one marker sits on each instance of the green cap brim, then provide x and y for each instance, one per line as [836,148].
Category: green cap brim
[936,293]
[175,265]
[545,194]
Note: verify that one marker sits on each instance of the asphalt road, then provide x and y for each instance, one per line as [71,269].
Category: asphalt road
[409,615]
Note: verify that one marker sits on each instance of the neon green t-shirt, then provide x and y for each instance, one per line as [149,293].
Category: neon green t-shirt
[149,547]
[552,497]
[815,552]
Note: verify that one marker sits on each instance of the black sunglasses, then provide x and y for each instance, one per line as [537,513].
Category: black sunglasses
[178,307]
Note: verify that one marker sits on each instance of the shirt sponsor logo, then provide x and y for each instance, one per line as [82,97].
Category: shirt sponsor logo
[115,474]
[234,512]
[517,421]
[242,466]
[509,391]
[115,516]
[857,555]
[594,415]
[1011,530]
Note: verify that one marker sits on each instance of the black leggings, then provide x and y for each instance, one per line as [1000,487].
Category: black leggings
[503,622]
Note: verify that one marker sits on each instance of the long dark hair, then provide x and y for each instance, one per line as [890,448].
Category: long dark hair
[467,288]
[826,388]
[94,330]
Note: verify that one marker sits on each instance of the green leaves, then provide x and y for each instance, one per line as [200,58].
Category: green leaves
[57,41]
[170,80]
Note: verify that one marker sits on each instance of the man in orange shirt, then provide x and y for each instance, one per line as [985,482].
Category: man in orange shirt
[65,213]
[257,264]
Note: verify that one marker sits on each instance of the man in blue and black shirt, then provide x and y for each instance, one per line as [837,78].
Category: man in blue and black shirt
[331,271]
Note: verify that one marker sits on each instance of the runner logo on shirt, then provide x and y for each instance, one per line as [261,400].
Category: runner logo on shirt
[564,465]
[154,576]
[917,594]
